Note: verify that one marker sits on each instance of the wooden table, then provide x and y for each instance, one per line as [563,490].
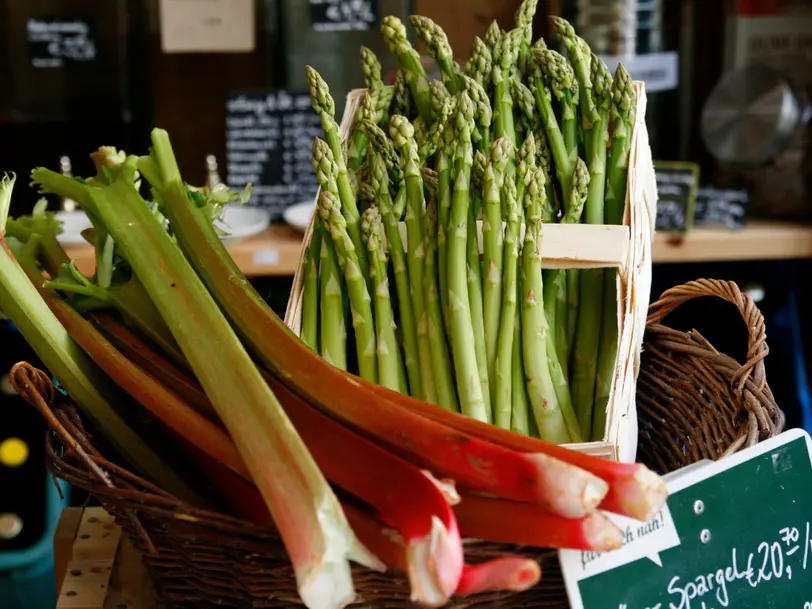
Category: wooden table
[96,567]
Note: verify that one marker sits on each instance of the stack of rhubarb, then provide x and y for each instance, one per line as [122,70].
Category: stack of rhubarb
[346,469]
[518,138]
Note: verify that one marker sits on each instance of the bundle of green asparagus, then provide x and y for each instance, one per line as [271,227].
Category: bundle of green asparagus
[522,136]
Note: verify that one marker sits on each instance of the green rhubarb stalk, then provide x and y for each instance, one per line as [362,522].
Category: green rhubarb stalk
[310,292]
[469,385]
[333,330]
[440,357]
[622,112]
[402,134]
[492,241]
[363,322]
[389,371]
[24,305]
[44,224]
[540,387]
[588,330]
[503,366]
[309,518]
[439,48]
[324,106]
[394,35]
[397,254]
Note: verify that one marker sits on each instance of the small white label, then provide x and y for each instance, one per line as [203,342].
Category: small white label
[660,71]
[640,540]
[207,26]
[266,258]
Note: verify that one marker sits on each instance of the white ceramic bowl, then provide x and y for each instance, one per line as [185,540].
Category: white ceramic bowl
[299,215]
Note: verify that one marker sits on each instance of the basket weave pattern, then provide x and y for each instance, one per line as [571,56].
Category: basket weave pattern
[694,403]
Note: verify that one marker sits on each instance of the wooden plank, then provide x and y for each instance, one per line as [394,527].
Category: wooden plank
[130,584]
[758,240]
[64,536]
[87,579]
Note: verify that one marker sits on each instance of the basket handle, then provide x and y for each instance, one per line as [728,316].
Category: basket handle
[757,348]
[34,386]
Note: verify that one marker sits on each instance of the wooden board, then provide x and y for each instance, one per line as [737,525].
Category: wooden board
[96,566]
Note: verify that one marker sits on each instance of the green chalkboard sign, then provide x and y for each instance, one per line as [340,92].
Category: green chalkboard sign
[735,535]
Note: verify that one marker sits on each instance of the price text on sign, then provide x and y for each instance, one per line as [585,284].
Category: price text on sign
[343,15]
[54,42]
[743,530]
[269,143]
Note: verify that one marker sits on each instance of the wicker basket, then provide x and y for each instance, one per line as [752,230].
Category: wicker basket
[204,559]
[626,248]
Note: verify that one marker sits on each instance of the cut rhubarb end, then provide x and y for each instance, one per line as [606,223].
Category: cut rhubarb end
[567,490]
[640,496]
[434,565]
[601,533]
[510,574]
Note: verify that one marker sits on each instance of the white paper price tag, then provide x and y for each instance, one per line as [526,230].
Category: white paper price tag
[207,26]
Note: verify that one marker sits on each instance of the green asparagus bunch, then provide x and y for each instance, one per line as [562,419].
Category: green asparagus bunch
[432,218]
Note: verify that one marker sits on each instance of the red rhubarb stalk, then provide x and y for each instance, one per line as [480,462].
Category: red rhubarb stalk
[509,574]
[634,490]
[501,521]
[406,499]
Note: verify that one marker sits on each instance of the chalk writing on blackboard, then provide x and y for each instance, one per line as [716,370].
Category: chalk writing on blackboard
[54,42]
[269,142]
[343,15]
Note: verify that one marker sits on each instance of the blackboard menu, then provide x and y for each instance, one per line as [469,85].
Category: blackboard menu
[676,194]
[343,15]
[721,207]
[54,42]
[269,143]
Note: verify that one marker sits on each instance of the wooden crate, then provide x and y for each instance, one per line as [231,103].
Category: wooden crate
[626,248]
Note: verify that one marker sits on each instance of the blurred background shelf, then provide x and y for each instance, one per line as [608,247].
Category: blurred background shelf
[758,240]
[275,252]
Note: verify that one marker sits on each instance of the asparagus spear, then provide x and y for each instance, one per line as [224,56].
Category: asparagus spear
[310,295]
[477,84]
[371,68]
[504,60]
[469,385]
[440,357]
[480,64]
[408,328]
[564,165]
[333,330]
[474,267]
[401,97]
[402,134]
[439,48]
[540,387]
[394,35]
[436,132]
[524,101]
[524,20]
[503,366]
[444,156]
[324,106]
[525,168]
[579,55]
[622,111]
[389,362]
[520,420]
[493,35]
[564,86]
[492,240]
[587,333]
[382,146]
[362,319]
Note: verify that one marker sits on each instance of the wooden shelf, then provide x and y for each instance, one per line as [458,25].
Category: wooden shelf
[758,240]
[273,252]
[276,251]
